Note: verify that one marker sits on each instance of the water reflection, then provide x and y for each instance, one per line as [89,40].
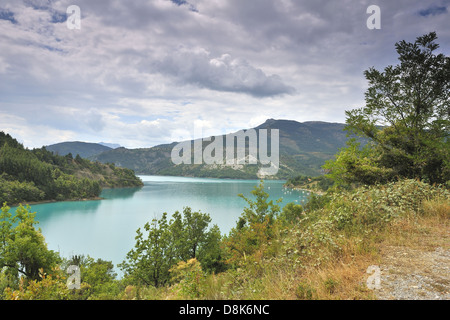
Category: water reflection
[119,193]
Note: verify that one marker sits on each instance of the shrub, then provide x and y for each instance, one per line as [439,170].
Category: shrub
[305,292]
[191,278]
[378,205]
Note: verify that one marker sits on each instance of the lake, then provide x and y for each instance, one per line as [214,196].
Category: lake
[106,228]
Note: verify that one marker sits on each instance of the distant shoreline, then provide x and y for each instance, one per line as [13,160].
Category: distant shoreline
[32,203]
[68,200]
[290,186]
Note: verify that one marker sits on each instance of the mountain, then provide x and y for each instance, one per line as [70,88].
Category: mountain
[84,149]
[304,148]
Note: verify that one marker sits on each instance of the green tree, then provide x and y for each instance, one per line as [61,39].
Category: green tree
[23,251]
[195,227]
[211,254]
[358,164]
[406,118]
[261,209]
[150,260]
[291,213]
[166,243]
[255,226]
[99,275]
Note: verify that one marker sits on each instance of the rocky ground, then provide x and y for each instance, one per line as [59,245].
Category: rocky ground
[414,274]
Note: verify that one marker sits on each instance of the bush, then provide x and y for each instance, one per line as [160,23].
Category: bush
[377,205]
[190,277]
[305,292]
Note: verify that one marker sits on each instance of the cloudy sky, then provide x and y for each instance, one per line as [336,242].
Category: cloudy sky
[141,73]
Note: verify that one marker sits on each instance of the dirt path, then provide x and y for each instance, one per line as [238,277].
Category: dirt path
[414,274]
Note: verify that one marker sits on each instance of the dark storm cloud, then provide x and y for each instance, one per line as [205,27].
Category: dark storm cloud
[221,73]
[434,10]
[141,71]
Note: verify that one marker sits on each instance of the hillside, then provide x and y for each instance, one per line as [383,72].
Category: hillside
[39,175]
[304,148]
[84,149]
[379,242]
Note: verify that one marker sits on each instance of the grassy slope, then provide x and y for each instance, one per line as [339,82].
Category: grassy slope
[326,254]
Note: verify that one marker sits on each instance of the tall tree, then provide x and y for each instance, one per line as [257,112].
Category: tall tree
[169,242]
[406,118]
[195,226]
[255,227]
[23,251]
[150,260]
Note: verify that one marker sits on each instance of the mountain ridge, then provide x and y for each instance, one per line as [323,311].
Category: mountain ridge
[83,149]
[304,147]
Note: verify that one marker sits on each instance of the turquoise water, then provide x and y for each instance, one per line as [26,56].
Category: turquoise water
[106,228]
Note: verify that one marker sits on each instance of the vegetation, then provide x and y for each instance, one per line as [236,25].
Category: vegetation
[272,253]
[392,191]
[406,118]
[37,175]
[317,184]
[22,247]
[304,148]
[170,242]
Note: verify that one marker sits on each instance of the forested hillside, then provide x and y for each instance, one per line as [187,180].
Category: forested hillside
[304,148]
[84,149]
[38,174]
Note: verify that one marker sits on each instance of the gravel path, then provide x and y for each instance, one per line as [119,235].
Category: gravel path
[411,274]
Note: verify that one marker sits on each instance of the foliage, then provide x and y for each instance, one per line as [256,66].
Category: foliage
[260,210]
[23,251]
[291,213]
[212,255]
[13,191]
[371,208]
[357,165]
[316,202]
[36,175]
[169,242]
[97,282]
[254,228]
[406,118]
[190,277]
[285,253]
[378,205]
[47,287]
[319,183]
[97,277]
[149,262]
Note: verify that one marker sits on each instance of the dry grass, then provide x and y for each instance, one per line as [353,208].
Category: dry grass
[345,277]
[341,273]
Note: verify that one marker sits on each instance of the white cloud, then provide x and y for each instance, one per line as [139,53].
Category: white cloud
[141,73]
